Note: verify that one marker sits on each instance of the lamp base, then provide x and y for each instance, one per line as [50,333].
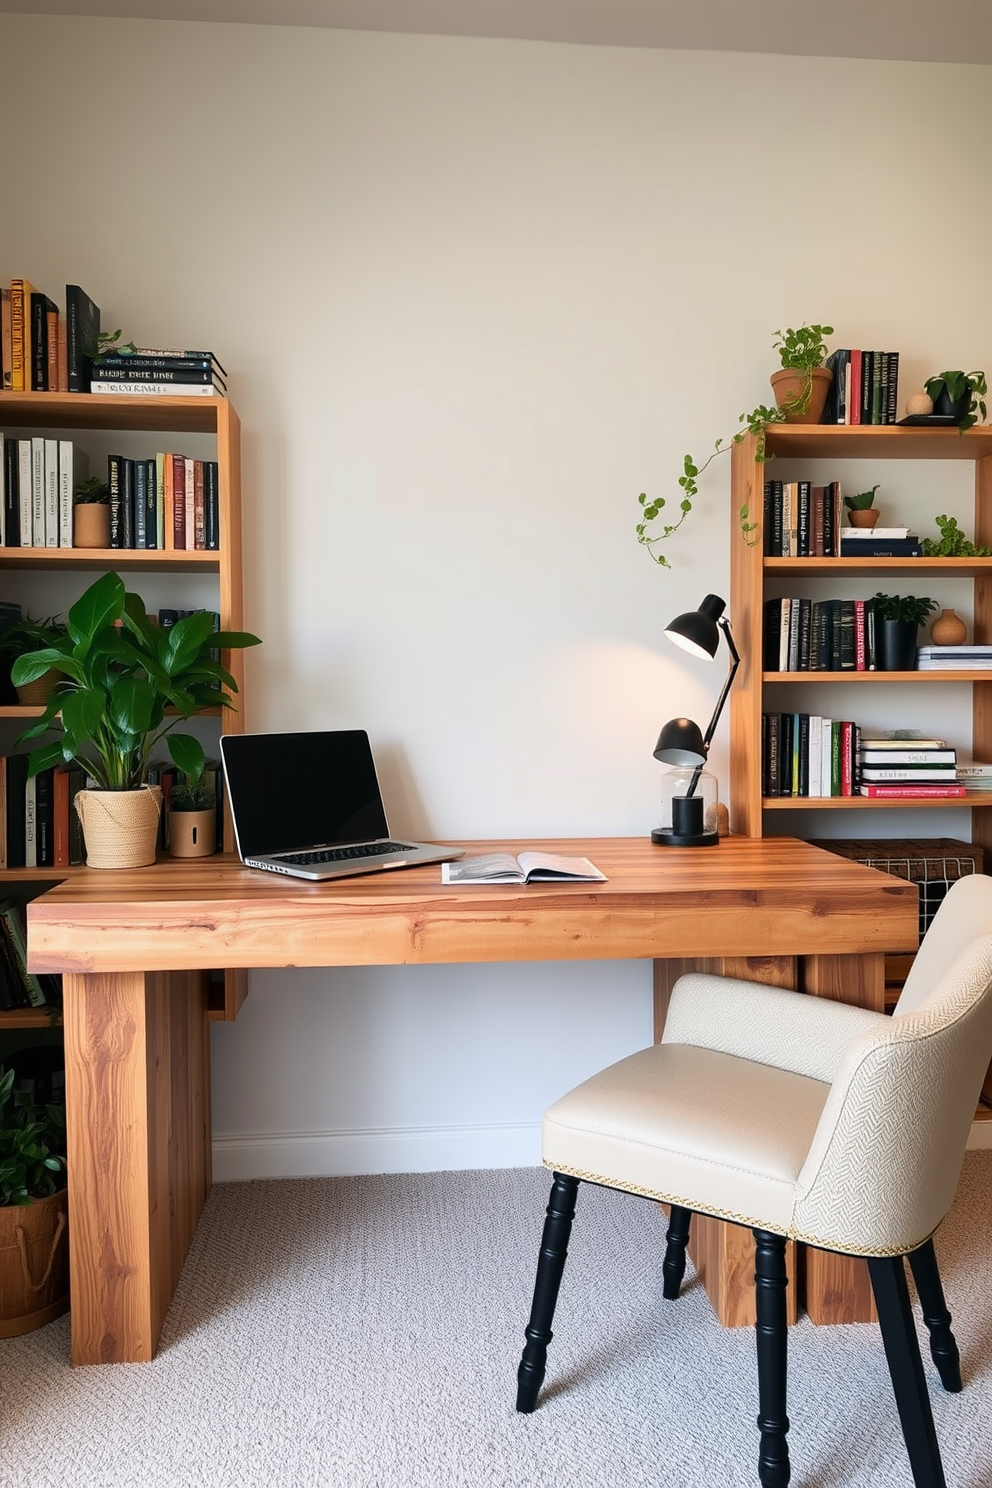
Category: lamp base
[664,837]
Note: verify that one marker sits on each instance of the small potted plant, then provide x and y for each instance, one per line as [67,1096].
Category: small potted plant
[192,818]
[899,618]
[959,395]
[801,386]
[861,508]
[23,637]
[128,683]
[34,1270]
[91,514]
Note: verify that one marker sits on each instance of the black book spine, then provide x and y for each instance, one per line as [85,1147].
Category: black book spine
[805,634]
[17,777]
[151,504]
[829,512]
[115,482]
[802,519]
[866,387]
[192,361]
[833,408]
[776,519]
[834,634]
[130,372]
[794,609]
[846,615]
[39,342]
[785,755]
[82,331]
[211,501]
[127,503]
[45,818]
[14,992]
[803,754]
[774,754]
[140,468]
[771,636]
[11,495]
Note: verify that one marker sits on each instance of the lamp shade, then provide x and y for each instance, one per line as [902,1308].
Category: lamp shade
[696,631]
[680,743]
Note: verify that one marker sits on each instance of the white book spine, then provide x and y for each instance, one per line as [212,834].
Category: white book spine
[51,493]
[74,466]
[37,528]
[158,389]
[24,490]
[30,824]
[825,757]
[815,756]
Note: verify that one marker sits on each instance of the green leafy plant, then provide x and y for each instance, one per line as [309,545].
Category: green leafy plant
[107,342]
[92,492]
[958,385]
[952,542]
[903,607]
[861,500]
[32,1145]
[192,794]
[802,349]
[27,635]
[122,673]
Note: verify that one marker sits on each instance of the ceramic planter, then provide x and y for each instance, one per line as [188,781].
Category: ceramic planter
[120,828]
[897,646]
[34,1264]
[91,524]
[789,383]
[948,629]
[193,834]
[866,517]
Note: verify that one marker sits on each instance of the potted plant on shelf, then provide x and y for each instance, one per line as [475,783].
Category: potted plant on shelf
[91,514]
[128,683]
[959,395]
[192,818]
[899,617]
[18,640]
[34,1271]
[861,508]
[802,353]
[952,542]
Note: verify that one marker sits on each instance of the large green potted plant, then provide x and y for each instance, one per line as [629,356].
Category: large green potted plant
[899,617]
[34,1273]
[959,395]
[21,638]
[128,684]
[801,353]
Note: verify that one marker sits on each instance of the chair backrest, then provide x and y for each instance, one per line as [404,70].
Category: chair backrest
[884,1163]
[965,914]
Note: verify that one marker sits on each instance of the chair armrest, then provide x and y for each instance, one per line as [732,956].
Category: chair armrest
[789,1030]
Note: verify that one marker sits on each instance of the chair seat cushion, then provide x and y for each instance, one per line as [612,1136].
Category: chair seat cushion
[691,1126]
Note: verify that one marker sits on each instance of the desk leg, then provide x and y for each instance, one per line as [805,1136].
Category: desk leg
[838,1288]
[138,1118]
[723,1254]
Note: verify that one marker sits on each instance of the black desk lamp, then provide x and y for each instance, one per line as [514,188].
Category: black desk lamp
[680,741]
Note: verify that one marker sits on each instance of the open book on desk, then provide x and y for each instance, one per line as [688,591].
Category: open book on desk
[526,867]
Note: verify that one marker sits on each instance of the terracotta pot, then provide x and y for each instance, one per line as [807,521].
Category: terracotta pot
[193,834]
[120,828]
[948,629]
[789,383]
[91,525]
[867,517]
[37,694]
[34,1264]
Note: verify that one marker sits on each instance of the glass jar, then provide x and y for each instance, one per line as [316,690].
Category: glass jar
[682,816]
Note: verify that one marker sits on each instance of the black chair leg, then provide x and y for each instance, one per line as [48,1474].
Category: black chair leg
[771,1329]
[550,1265]
[673,1266]
[943,1345]
[902,1350]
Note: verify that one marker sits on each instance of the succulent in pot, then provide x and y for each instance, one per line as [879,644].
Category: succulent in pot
[127,684]
[192,818]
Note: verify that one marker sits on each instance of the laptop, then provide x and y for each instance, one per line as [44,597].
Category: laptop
[309,805]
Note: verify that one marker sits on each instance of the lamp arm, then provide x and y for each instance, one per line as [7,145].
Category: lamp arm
[724,625]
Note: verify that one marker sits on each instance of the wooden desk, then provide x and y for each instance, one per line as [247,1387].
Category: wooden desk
[133,947]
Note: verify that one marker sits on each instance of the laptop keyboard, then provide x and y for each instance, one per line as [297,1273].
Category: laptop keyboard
[345,854]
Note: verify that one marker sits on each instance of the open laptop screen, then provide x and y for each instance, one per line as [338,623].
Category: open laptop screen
[289,792]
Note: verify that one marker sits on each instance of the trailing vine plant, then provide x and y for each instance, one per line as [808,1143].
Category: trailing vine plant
[802,349]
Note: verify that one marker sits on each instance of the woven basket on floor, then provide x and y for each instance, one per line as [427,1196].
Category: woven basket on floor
[34,1264]
[120,828]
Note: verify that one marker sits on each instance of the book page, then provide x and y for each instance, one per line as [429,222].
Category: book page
[537,865]
[485,868]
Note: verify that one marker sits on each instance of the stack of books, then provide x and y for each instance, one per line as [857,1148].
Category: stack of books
[954,659]
[864,387]
[975,776]
[912,769]
[155,372]
[879,542]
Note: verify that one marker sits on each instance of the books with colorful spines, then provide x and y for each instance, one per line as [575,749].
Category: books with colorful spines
[20,335]
[854,406]
[103,388]
[847,752]
[82,334]
[6,366]
[913,792]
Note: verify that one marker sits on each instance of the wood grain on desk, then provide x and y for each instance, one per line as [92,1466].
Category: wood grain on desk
[733,900]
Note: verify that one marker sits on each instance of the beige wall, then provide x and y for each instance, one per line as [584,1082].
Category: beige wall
[473,296]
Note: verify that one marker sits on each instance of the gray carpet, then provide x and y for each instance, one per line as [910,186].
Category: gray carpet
[365,1333]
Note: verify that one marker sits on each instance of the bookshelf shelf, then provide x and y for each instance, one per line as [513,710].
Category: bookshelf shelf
[976,799]
[808,568]
[16,1018]
[217,573]
[861,678]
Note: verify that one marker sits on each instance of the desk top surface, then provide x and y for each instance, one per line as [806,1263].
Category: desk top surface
[748,896]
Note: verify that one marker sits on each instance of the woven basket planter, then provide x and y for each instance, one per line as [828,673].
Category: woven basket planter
[38,694]
[120,828]
[34,1264]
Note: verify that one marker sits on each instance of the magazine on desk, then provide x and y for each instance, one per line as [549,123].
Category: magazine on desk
[526,867]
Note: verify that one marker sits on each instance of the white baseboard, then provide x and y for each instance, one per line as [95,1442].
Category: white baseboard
[428,1149]
[981,1135]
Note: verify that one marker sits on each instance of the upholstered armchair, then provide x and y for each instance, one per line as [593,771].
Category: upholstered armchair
[800,1118]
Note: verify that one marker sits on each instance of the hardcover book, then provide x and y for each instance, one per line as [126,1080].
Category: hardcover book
[82,334]
[526,867]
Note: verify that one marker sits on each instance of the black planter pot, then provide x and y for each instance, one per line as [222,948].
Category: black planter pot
[897,646]
[943,405]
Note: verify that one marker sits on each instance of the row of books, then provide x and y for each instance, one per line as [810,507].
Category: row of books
[19,987]
[39,826]
[863,389]
[44,350]
[820,635]
[804,755]
[164,501]
[805,520]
